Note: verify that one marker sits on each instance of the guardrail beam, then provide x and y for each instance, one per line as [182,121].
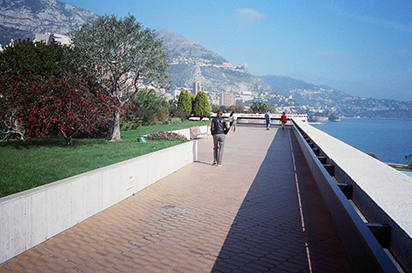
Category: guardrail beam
[330,168]
[382,233]
[346,189]
[323,159]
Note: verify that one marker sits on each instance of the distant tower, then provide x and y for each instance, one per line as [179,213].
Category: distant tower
[197,86]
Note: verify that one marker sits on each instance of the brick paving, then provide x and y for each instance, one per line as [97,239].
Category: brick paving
[259,212]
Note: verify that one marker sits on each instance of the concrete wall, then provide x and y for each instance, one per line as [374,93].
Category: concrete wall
[382,193]
[186,132]
[31,217]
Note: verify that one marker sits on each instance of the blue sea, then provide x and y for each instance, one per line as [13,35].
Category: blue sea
[389,140]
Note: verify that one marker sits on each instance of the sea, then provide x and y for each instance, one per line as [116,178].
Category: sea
[389,140]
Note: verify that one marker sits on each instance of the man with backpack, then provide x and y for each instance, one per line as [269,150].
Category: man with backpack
[219,130]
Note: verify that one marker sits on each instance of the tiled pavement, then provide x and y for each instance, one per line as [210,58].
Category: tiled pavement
[259,212]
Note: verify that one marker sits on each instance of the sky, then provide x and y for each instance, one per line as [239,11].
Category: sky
[360,47]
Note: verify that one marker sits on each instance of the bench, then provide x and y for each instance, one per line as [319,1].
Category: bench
[195,132]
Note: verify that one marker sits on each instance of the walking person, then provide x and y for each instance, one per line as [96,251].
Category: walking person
[219,130]
[283,120]
[233,121]
[267,117]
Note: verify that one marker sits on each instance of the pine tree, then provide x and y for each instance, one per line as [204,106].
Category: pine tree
[201,106]
[185,102]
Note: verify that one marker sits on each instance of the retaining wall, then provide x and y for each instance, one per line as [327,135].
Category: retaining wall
[29,218]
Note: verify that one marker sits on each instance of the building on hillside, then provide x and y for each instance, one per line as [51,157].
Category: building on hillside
[50,37]
[320,118]
[197,86]
[227,98]
[176,92]
[213,97]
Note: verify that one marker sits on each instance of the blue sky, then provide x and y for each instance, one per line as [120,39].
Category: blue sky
[363,46]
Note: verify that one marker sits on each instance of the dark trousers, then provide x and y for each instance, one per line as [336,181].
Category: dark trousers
[218,147]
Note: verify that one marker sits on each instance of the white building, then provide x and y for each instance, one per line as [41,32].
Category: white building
[50,37]
[197,86]
[227,98]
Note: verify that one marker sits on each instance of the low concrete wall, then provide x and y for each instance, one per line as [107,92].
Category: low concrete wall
[380,192]
[186,132]
[33,216]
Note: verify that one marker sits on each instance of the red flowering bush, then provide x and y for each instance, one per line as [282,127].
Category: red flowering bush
[32,107]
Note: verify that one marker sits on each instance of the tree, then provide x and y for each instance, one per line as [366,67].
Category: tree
[185,102]
[145,107]
[17,93]
[124,57]
[23,65]
[36,59]
[69,106]
[215,108]
[258,107]
[201,106]
[35,106]
[408,161]
[239,108]
[42,90]
[271,108]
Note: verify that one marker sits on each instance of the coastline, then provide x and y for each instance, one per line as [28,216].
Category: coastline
[388,139]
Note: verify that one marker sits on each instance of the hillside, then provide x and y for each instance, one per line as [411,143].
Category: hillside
[190,62]
[322,98]
[22,19]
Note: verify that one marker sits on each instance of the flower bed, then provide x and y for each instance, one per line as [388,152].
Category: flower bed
[163,135]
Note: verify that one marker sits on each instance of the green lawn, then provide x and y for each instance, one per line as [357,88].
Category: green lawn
[25,165]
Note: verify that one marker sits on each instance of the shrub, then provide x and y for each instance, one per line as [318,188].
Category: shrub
[175,120]
[177,113]
[131,123]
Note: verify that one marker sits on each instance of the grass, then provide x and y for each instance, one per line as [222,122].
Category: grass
[29,164]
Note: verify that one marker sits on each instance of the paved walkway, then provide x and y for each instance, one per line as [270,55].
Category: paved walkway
[259,212]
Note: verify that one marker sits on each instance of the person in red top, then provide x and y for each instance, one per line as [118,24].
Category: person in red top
[283,119]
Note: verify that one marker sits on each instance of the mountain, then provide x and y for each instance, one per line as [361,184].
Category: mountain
[22,19]
[184,50]
[356,89]
[282,85]
[190,62]
[319,99]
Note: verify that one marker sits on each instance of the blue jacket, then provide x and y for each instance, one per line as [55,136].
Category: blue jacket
[219,126]
[267,117]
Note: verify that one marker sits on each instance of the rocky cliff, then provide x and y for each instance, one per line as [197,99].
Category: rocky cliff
[22,19]
[190,62]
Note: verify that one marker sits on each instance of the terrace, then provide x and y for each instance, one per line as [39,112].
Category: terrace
[284,201]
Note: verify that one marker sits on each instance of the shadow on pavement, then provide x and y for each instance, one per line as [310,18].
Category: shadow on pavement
[282,225]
